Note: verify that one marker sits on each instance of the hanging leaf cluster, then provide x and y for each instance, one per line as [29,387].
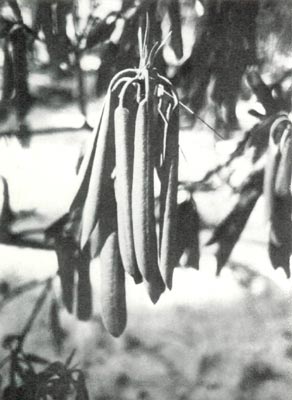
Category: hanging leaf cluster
[270,141]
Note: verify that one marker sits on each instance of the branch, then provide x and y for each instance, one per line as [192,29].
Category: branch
[19,290]
[16,10]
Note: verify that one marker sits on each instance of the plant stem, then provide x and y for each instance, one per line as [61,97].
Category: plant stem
[38,305]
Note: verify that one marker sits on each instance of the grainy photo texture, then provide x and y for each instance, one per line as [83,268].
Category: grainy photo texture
[145,199]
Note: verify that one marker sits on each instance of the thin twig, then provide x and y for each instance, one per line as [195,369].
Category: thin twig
[19,290]
[198,117]
[38,305]
[70,358]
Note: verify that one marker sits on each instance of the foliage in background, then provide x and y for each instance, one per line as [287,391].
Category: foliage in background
[225,37]
[228,37]
[31,376]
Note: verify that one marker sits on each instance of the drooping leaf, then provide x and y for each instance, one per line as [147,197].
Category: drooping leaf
[107,68]
[188,233]
[175,22]
[271,167]
[67,273]
[85,171]
[57,331]
[84,294]
[280,237]
[8,75]
[72,261]
[22,97]
[284,171]
[64,232]
[227,233]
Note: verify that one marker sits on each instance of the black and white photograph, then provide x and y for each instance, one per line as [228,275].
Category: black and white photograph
[145,199]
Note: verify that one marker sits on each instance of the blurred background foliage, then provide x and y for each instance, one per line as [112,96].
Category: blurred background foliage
[235,340]
[213,44]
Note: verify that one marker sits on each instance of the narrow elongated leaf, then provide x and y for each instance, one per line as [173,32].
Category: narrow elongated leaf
[20,72]
[58,334]
[271,167]
[229,230]
[66,272]
[102,168]
[188,233]
[84,292]
[280,245]
[8,75]
[85,169]
[280,237]
[175,21]
[71,260]
[284,170]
